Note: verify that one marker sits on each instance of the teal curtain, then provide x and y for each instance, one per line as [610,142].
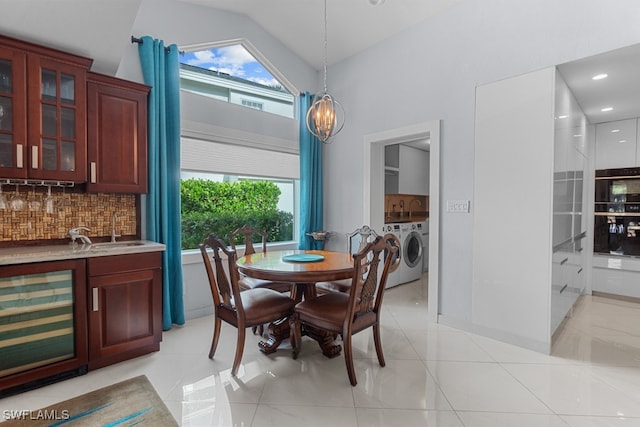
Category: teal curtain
[310,179]
[161,70]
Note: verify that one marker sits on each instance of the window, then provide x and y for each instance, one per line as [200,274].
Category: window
[203,208]
[232,74]
[252,104]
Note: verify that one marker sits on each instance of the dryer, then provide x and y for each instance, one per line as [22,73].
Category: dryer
[393,278]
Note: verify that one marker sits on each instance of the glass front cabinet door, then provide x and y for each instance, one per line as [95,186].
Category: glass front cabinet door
[42,112]
[57,120]
[13,114]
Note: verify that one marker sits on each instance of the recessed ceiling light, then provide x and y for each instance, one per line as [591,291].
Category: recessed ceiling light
[622,140]
[615,130]
[562,117]
[578,135]
[606,109]
[600,76]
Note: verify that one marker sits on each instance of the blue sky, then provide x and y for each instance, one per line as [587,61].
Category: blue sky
[234,60]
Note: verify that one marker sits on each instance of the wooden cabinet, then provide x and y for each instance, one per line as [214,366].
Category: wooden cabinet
[13,113]
[43,318]
[117,135]
[125,307]
[45,103]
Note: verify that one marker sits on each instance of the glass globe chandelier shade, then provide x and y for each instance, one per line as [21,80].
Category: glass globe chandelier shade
[325,117]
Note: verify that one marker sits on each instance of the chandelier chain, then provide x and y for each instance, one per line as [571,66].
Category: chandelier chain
[325,46]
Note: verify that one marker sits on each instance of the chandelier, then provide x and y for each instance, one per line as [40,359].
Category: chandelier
[325,116]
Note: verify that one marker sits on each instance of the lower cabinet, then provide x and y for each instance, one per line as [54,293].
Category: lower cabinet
[567,284]
[617,276]
[125,307]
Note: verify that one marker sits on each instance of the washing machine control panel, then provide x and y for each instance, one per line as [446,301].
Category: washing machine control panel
[391,228]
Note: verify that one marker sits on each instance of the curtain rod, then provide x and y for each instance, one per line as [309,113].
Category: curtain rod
[134,39]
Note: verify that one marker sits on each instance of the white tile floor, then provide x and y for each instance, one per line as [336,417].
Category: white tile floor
[435,375]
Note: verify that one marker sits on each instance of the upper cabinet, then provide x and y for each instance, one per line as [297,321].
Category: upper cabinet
[43,112]
[616,145]
[13,112]
[117,154]
[61,122]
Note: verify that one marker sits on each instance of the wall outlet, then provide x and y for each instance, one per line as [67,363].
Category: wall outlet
[458,206]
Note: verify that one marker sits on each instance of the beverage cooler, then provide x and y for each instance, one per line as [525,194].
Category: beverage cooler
[617,212]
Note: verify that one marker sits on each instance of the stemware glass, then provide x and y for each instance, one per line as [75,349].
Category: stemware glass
[64,202]
[17,202]
[3,199]
[49,202]
[34,204]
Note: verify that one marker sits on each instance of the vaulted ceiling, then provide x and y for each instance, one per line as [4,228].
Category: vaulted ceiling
[100,29]
[352,25]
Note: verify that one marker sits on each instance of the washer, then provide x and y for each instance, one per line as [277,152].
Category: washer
[412,250]
[410,267]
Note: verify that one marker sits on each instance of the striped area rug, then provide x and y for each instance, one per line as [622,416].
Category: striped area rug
[128,403]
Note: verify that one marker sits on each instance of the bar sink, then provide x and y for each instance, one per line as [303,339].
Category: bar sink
[125,244]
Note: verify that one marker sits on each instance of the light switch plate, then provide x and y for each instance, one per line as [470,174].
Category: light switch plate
[458,206]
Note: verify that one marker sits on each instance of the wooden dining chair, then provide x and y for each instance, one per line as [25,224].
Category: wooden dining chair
[246,235]
[346,314]
[362,236]
[249,308]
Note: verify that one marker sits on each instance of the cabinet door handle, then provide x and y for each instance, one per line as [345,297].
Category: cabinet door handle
[95,299]
[19,156]
[93,172]
[561,290]
[563,261]
[34,157]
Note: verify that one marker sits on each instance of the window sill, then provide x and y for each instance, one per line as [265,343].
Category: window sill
[193,256]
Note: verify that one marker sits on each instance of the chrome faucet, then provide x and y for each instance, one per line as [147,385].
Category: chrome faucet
[75,233]
[113,228]
[411,204]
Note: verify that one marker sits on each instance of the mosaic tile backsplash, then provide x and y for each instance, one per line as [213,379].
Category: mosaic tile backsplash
[93,211]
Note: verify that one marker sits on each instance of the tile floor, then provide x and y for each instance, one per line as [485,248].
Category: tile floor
[435,375]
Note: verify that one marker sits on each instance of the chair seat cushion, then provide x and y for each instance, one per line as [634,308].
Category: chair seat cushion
[251,283]
[334,286]
[263,305]
[327,311]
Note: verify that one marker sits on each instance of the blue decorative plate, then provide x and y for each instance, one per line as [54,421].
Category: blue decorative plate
[303,258]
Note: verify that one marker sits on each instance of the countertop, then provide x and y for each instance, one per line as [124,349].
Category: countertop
[28,254]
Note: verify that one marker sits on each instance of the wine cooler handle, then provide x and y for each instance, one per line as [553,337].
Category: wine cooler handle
[95,299]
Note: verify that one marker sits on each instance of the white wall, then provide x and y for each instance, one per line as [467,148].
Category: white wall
[436,68]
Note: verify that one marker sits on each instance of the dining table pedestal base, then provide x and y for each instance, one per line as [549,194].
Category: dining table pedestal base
[326,341]
[277,332]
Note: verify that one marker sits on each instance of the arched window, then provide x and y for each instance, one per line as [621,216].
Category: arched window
[234,71]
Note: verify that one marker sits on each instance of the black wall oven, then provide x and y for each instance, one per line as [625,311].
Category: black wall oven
[617,212]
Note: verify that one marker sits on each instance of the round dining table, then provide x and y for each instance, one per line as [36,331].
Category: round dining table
[303,268]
